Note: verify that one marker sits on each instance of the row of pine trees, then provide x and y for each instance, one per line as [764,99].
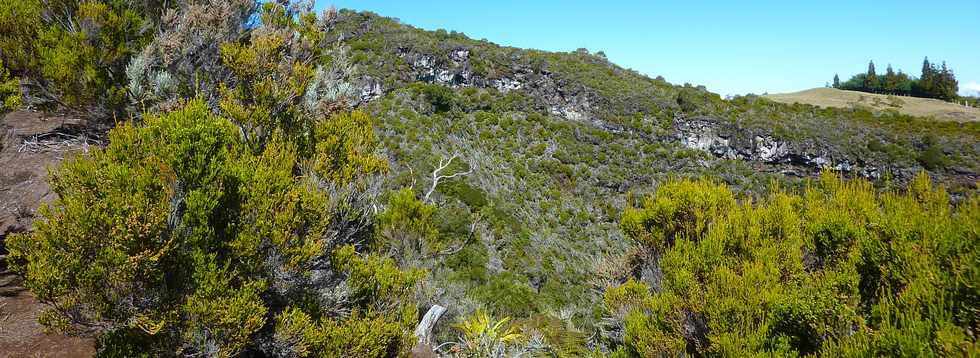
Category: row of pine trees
[935,82]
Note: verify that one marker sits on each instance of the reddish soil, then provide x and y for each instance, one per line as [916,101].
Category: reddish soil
[31,143]
[22,336]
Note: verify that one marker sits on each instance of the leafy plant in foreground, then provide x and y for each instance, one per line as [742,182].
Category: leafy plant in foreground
[838,270]
[194,244]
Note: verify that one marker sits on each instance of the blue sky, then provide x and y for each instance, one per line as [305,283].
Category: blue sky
[732,47]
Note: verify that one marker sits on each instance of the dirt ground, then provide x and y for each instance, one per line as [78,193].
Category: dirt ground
[31,143]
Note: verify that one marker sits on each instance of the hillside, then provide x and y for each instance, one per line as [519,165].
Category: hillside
[557,141]
[582,88]
[291,184]
[913,106]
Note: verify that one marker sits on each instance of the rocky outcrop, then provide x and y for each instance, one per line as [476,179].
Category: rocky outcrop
[370,89]
[791,140]
[729,141]
[576,102]
[454,69]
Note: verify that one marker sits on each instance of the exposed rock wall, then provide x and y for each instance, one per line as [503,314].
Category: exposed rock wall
[455,70]
[728,141]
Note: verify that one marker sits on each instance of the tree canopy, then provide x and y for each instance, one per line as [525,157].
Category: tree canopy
[934,82]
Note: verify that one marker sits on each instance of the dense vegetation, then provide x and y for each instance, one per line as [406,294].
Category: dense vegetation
[74,53]
[228,230]
[255,201]
[198,244]
[10,96]
[935,82]
[839,269]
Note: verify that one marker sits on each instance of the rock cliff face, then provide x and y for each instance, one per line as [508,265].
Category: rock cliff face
[455,70]
[728,141]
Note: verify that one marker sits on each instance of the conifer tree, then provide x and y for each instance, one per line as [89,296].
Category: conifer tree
[946,86]
[926,68]
[904,83]
[836,81]
[890,83]
[924,87]
[871,79]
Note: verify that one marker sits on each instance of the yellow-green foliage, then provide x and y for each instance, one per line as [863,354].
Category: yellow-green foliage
[339,147]
[274,68]
[180,238]
[269,69]
[374,278]
[370,331]
[682,211]
[20,20]
[405,212]
[484,336]
[10,96]
[840,269]
[77,49]
[214,231]
[406,228]
[362,335]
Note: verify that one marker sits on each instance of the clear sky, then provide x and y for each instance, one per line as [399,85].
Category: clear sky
[730,46]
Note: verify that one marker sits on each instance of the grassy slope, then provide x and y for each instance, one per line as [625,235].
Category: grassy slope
[923,107]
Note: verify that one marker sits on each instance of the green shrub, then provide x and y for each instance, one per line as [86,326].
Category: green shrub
[472,196]
[839,270]
[441,98]
[361,335]
[76,51]
[10,96]
[558,338]
[508,293]
[20,21]
[932,157]
[192,242]
[682,211]
[406,228]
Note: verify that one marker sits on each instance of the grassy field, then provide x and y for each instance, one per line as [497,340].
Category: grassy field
[830,97]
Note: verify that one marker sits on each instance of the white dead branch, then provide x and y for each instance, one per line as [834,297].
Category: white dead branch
[58,142]
[437,175]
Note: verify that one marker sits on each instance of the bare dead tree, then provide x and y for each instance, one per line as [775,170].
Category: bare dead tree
[437,176]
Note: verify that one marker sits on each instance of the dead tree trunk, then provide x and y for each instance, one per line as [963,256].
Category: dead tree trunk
[424,330]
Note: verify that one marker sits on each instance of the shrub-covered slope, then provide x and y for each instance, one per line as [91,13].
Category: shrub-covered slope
[292,184]
[583,87]
[552,143]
